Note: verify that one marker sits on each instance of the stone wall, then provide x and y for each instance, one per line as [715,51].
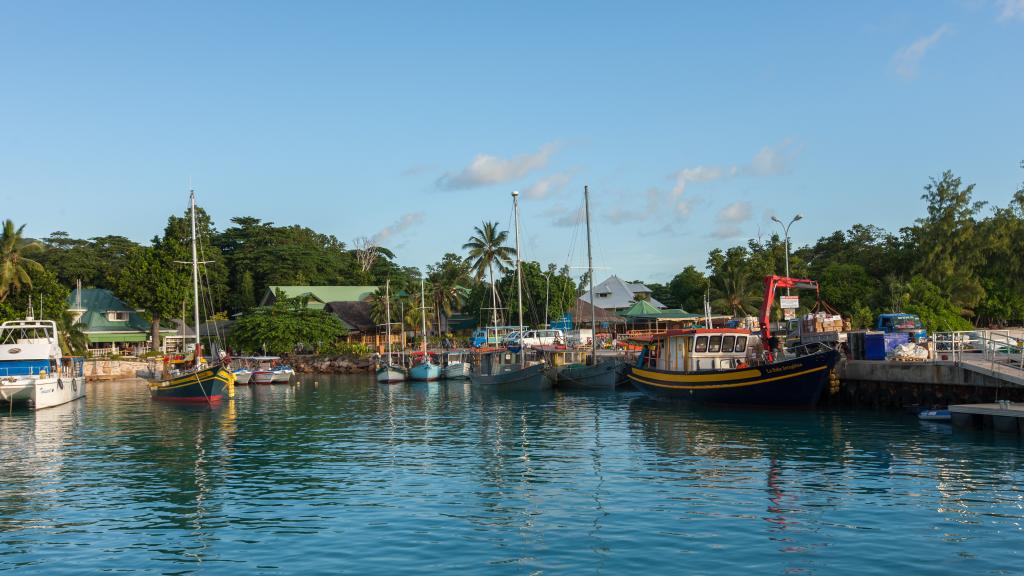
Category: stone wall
[311,364]
[97,370]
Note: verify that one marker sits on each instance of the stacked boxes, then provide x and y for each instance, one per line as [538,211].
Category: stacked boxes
[821,322]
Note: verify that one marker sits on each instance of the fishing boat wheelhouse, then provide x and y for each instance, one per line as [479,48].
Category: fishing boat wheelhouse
[700,349]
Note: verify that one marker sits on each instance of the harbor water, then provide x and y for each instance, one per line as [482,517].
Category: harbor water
[337,474]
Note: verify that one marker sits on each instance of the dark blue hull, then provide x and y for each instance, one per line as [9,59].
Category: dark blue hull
[796,382]
[208,385]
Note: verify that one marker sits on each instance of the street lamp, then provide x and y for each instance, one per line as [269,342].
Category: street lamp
[785,229]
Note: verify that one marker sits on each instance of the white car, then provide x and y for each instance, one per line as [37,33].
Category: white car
[531,338]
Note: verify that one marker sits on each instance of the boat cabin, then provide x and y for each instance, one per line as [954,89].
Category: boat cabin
[701,349]
[31,347]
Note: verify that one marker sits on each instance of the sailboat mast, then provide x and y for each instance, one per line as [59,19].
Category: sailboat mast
[387,305]
[519,278]
[590,273]
[423,319]
[195,275]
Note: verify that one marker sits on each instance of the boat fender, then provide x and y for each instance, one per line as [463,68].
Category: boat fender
[74,385]
[60,383]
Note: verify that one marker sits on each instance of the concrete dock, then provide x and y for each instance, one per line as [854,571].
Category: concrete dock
[1001,416]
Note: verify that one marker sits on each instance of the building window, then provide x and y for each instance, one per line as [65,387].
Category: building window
[117,316]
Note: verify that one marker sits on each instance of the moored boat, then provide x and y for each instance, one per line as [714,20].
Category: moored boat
[507,370]
[389,371]
[456,367]
[262,377]
[242,375]
[192,379]
[33,370]
[282,374]
[678,366]
[427,369]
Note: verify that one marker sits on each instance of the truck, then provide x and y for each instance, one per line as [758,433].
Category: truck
[902,322]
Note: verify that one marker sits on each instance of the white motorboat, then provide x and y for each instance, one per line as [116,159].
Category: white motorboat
[242,376]
[283,374]
[33,370]
[456,366]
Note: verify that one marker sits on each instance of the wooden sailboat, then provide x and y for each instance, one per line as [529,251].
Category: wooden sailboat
[387,371]
[193,379]
[506,370]
[426,370]
[588,373]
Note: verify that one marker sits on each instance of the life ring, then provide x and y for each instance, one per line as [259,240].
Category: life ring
[60,383]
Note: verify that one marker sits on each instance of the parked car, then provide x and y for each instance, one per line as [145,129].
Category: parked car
[490,336]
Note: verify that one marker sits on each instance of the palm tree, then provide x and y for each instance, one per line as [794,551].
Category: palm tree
[73,340]
[487,250]
[733,291]
[15,265]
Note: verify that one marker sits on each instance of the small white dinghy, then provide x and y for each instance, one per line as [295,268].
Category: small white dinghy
[935,415]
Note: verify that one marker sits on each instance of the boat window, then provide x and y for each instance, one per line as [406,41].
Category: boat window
[702,344]
[741,343]
[715,345]
[727,343]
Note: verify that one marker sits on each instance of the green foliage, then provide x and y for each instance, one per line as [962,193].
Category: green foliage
[687,289]
[349,349]
[16,263]
[735,289]
[286,327]
[847,287]
[154,282]
[536,287]
[935,310]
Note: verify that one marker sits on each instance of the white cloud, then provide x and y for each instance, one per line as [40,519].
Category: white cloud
[695,174]
[1012,10]
[906,60]
[730,220]
[654,201]
[401,225]
[547,186]
[769,161]
[485,169]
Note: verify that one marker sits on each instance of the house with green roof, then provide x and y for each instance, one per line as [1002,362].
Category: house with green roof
[110,325]
[318,297]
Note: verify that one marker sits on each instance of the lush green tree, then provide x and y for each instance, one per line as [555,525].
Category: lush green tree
[935,310]
[47,296]
[559,291]
[848,287]
[487,251]
[287,327]
[949,251]
[448,282]
[688,288]
[154,282]
[16,263]
[733,289]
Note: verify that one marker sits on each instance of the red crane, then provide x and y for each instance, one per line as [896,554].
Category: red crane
[770,284]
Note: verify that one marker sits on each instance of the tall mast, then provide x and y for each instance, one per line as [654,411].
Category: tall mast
[519,279]
[590,273]
[195,274]
[387,300]
[423,319]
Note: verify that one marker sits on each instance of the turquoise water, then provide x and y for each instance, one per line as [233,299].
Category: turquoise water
[340,475]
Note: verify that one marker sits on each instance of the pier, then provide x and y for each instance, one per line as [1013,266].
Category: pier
[965,368]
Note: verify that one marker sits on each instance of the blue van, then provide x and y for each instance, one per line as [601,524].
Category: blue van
[908,324]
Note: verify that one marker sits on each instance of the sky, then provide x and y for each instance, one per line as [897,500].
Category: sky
[411,122]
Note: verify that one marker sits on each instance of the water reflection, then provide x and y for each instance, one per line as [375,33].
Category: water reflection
[334,474]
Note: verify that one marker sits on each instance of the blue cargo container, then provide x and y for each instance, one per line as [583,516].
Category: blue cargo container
[874,346]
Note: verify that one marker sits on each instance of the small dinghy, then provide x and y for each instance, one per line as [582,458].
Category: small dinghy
[935,415]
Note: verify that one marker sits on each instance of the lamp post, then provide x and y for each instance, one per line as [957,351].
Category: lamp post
[785,230]
[547,295]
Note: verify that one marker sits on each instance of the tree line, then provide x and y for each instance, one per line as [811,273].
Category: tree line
[958,265]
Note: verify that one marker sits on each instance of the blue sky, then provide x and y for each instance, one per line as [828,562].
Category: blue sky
[410,122]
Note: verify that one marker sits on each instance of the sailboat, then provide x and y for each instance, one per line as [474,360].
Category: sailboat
[505,370]
[388,372]
[192,379]
[589,373]
[425,370]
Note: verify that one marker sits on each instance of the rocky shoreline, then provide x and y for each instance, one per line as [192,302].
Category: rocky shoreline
[311,364]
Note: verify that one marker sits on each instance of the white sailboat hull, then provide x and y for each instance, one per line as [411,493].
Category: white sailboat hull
[39,393]
[389,374]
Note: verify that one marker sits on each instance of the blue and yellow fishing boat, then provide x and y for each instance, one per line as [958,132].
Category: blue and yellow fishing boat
[730,366]
[192,378]
[192,382]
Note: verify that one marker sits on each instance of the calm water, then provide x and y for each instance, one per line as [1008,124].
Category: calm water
[345,476]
